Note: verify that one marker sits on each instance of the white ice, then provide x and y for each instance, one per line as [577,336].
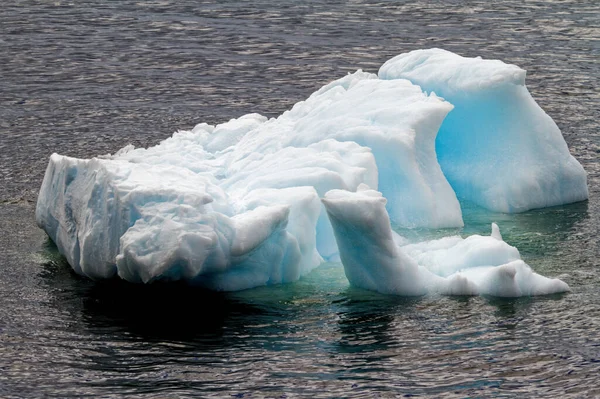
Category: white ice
[477,265]
[237,205]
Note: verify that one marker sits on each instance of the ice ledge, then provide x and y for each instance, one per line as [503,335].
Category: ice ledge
[477,265]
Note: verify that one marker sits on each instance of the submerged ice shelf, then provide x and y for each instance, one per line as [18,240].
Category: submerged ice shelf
[238,205]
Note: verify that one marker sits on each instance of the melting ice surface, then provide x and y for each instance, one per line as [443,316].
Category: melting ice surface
[238,205]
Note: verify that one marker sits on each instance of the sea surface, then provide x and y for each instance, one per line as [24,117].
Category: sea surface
[83,78]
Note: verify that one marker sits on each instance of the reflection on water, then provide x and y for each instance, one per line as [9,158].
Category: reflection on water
[292,339]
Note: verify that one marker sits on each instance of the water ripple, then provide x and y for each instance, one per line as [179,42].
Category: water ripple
[87,78]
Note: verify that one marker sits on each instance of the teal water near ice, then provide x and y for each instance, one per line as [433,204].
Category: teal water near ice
[87,78]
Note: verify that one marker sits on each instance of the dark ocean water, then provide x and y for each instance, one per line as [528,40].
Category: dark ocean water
[88,77]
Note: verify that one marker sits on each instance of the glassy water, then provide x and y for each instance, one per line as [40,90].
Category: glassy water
[86,78]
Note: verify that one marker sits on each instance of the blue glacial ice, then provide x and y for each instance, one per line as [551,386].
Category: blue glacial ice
[497,148]
[238,205]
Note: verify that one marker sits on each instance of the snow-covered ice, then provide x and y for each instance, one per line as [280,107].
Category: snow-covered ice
[237,205]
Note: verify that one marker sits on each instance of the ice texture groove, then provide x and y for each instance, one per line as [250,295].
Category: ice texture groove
[238,205]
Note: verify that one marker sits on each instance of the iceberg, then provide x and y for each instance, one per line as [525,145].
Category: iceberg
[497,148]
[373,260]
[257,201]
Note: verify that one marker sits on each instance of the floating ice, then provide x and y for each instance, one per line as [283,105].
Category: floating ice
[148,222]
[451,265]
[236,205]
[497,148]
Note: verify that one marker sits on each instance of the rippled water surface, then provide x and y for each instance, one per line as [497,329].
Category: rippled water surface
[88,77]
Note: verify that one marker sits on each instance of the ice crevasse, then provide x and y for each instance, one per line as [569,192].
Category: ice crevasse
[257,201]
